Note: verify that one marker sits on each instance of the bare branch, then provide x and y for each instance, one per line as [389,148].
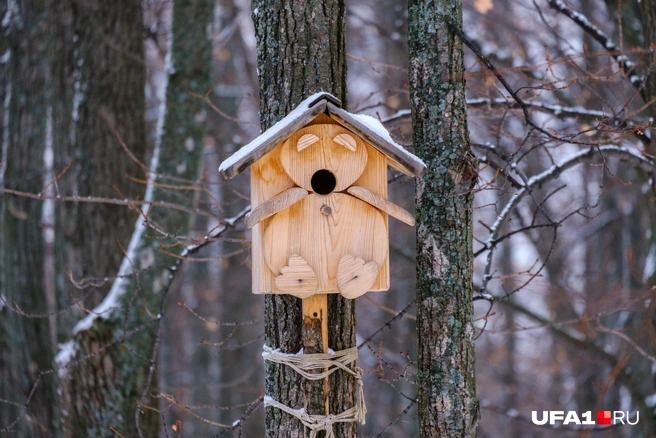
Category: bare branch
[637,158]
[627,66]
[113,201]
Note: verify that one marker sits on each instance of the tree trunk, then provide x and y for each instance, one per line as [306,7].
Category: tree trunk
[111,360]
[447,402]
[71,80]
[105,77]
[300,51]
[25,345]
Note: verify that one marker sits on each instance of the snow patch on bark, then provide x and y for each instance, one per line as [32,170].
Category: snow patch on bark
[66,353]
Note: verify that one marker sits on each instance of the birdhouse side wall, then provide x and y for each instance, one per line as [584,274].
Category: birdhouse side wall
[267,180]
[374,178]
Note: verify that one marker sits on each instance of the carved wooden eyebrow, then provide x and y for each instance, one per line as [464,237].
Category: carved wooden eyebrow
[305,141]
[346,140]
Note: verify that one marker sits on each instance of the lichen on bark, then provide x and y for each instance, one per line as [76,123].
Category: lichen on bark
[447,402]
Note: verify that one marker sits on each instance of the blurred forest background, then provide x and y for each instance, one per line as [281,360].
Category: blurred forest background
[98,114]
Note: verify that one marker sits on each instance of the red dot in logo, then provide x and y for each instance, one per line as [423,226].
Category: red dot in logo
[603,417]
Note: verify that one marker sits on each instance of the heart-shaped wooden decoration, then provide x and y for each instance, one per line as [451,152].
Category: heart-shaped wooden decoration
[297,278]
[354,276]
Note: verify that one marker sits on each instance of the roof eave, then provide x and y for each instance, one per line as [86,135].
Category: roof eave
[400,159]
[307,111]
[269,139]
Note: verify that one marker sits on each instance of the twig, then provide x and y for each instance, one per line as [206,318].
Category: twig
[112,201]
[631,342]
[624,63]
[389,323]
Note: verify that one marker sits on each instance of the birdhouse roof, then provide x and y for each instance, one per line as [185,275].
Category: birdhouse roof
[367,127]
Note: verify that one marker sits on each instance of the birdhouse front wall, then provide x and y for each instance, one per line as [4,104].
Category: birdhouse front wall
[323,227]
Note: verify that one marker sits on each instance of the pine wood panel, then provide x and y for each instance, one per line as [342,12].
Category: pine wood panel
[374,178]
[268,179]
[353,227]
[347,165]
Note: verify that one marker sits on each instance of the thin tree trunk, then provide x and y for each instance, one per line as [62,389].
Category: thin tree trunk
[71,69]
[447,402]
[301,51]
[24,341]
[111,360]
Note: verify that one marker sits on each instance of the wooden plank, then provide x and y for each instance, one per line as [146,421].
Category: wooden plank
[352,227]
[374,178]
[268,179]
[315,338]
[316,308]
[279,202]
[382,204]
[345,164]
[322,119]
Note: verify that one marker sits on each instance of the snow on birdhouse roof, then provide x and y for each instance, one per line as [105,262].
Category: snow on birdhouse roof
[367,127]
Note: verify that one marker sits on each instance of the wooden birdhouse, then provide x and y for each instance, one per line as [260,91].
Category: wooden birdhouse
[319,208]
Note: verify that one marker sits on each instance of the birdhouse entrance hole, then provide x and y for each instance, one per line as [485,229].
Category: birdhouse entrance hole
[323,182]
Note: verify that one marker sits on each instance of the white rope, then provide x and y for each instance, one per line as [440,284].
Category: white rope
[305,364]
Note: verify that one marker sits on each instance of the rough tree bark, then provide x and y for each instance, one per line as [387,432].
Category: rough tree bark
[105,97]
[68,71]
[300,51]
[447,402]
[24,342]
[111,360]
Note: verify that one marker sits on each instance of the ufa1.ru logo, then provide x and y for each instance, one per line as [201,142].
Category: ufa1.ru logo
[571,417]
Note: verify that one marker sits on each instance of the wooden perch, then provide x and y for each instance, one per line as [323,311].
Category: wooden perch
[282,200]
[382,204]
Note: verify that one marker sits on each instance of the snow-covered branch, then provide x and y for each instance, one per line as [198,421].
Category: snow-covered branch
[556,110]
[635,157]
[625,64]
[631,154]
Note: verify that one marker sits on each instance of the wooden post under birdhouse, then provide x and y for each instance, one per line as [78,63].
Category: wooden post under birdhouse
[315,339]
